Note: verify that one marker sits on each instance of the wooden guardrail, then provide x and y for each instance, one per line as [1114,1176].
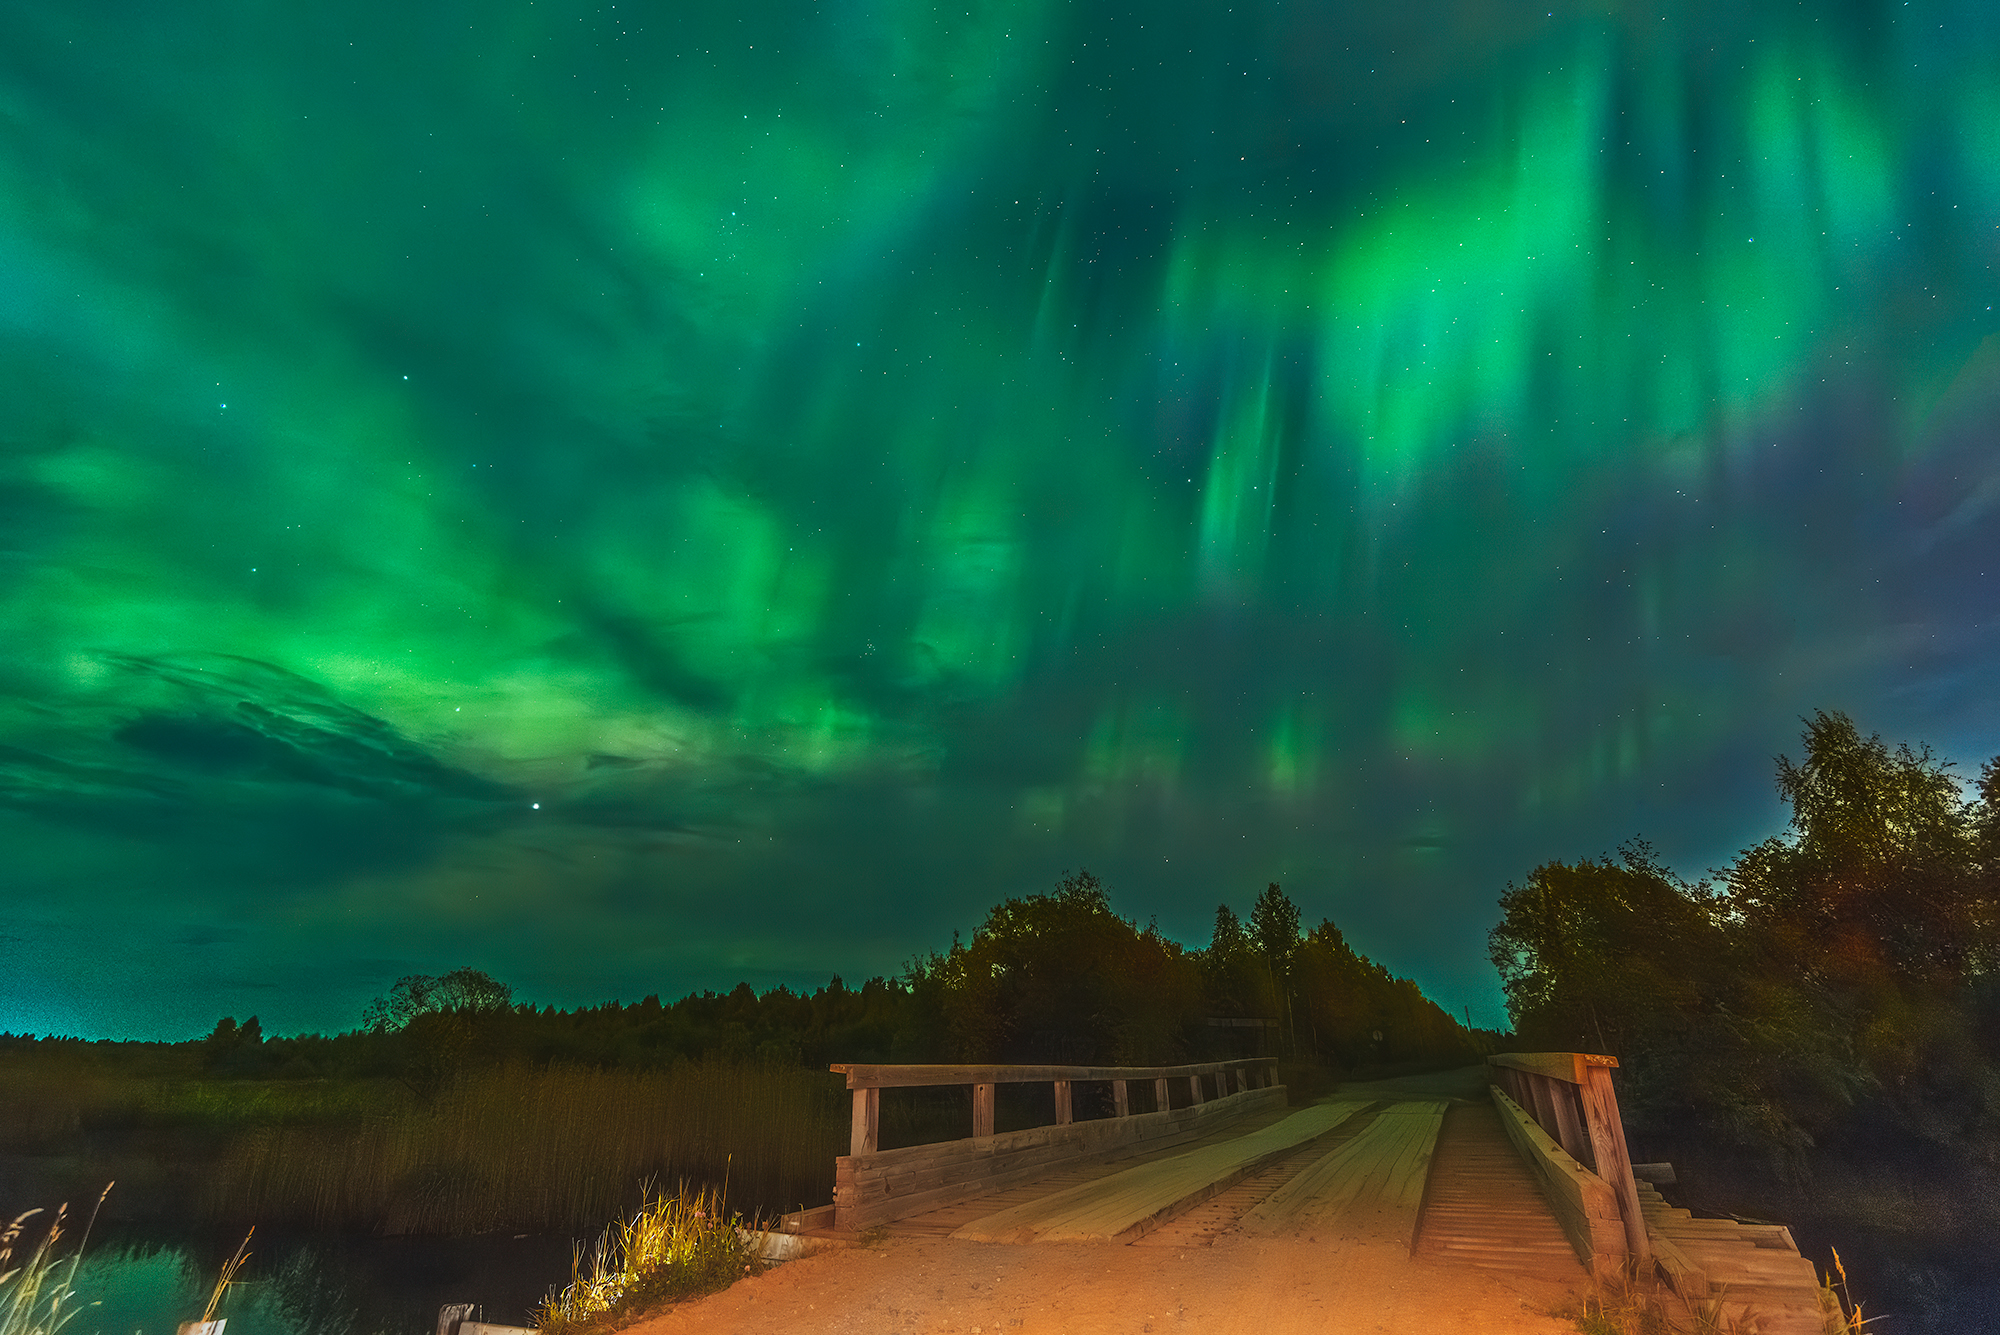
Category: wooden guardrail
[1569,1096]
[873,1186]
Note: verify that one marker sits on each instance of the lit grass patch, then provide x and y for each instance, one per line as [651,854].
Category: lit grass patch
[675,1247]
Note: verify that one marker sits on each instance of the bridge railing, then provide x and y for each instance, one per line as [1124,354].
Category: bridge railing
[1569,1095]
[868,1082]
[873,1185]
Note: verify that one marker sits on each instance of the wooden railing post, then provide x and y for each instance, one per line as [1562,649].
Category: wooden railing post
[1121,1102]
[862,1136]
[1569,1127]
[982,1110]
[1160,1100]
[1194,1089]
[1614,1162]
[1539,1104]
[1063,1117]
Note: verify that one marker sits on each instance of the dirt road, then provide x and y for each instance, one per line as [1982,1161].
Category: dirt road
[923,1286]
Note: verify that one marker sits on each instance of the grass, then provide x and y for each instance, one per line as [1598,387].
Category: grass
[675,1247]
[1838,1309]
[1631,1308]
[38,1297]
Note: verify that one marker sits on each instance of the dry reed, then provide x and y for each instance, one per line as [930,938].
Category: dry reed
[520,1147]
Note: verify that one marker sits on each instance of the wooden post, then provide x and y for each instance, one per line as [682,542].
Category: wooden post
[982,1110]
[1569,1126]
[1614,1163]
[1062,1103]
[1160,1100]
[1121,1102]
[1537,1101]
[1194,1089]
[867,1121]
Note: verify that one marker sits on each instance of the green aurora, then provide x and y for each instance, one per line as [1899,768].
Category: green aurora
[639,497]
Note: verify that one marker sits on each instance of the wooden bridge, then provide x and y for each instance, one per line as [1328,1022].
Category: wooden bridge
[1519,1166]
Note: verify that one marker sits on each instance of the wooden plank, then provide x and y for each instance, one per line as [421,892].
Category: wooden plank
[1372,1186]
[1569,1066]
[866,1075]
[1569,1125]
[1687,1278]
[1121,1201]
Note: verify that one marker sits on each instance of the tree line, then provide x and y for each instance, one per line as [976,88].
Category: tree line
[1054,977]
[1834,989]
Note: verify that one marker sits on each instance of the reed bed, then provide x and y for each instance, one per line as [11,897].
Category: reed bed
[525,1148]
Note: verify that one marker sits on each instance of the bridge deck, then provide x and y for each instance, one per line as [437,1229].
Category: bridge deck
[1133,1198]
[1484,1208]
[1427,1167]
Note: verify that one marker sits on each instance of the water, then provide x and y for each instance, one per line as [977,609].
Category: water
[314,1284]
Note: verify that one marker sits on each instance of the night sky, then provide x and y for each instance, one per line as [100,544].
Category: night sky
[637,497]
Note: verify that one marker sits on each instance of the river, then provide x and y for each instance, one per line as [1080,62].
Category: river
[314,1284]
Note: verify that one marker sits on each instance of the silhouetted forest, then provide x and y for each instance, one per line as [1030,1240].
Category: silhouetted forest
[1827,1004]
[453,1108]
[1054,977]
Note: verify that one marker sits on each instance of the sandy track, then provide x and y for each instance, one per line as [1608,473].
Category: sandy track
[925,1286]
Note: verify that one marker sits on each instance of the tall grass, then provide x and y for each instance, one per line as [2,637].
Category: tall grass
[521,1147]
[676,1246]
[38,1297]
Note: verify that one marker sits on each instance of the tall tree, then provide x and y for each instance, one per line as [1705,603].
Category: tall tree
[1274,925]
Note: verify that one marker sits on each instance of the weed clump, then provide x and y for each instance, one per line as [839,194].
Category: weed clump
[675,1247]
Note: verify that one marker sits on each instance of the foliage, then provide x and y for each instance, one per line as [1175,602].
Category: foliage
[1060,977]
[1835,982]
[419,994]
